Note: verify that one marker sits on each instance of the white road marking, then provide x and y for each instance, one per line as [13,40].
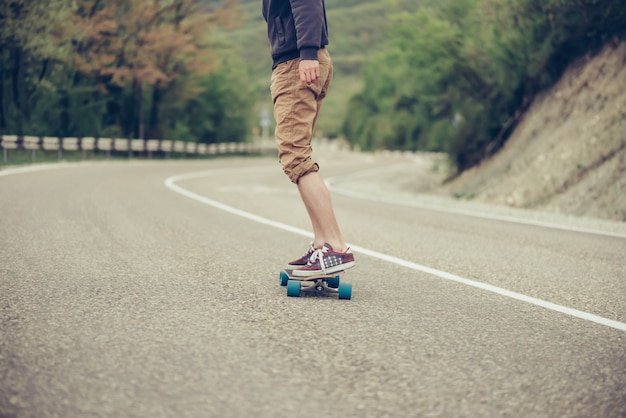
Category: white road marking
[33,168]
[464,212]
[170,183]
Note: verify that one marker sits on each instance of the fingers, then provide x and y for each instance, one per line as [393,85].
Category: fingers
[309,71]
[308,75]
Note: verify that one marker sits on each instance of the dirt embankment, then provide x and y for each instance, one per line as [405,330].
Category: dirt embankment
[568,154]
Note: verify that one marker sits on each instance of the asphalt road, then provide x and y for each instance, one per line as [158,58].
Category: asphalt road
[133,289]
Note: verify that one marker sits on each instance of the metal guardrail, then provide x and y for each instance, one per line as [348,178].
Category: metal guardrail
[131,146]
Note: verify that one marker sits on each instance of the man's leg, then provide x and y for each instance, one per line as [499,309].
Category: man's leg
[318,204]
[296,109]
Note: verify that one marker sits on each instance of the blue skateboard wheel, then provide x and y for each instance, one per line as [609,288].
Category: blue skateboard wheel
[333,282]
[284,278]
[293,288]
[345,291]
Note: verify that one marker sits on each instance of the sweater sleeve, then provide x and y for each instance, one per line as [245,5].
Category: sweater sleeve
[308,17]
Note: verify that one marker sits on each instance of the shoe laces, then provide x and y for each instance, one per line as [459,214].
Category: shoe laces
[318,256]
[310,250]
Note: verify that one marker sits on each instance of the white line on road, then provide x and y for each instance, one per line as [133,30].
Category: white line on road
[475,214]
[171,184]
[33,168]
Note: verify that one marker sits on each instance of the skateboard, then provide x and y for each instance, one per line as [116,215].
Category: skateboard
[319,284]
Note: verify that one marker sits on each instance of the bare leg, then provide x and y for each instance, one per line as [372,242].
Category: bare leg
[318,204]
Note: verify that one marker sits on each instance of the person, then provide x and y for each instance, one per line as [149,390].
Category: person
[302,71]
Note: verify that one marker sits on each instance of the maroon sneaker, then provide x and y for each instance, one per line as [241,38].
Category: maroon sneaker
[304,260]
[325,261]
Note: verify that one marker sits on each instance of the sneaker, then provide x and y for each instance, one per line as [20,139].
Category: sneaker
[325,261]
[304,260]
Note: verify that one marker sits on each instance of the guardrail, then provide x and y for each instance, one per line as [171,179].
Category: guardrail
[133,147]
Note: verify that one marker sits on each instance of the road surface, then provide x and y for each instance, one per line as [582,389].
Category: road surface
[150,289]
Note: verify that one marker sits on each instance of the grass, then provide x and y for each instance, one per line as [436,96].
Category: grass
[25,157]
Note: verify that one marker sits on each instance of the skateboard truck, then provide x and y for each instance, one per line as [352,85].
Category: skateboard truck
[320,284]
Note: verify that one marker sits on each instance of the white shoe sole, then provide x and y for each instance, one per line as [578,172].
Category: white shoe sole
[330,270]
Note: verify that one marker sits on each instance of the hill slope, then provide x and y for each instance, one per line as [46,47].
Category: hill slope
[568,154]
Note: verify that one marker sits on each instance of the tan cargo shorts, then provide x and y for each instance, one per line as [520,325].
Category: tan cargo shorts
[296,108]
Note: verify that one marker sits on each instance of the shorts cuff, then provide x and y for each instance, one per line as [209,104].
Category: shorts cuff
[303,169]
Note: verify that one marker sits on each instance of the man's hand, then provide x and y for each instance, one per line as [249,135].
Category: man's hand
[309,71]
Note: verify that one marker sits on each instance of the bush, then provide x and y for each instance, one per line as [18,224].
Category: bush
[456,77]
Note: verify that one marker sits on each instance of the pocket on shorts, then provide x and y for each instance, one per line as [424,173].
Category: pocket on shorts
[284,78]
[320,85]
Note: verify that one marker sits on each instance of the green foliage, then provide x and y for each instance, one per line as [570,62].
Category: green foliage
[122,68]
[220,112]
[27,57]
[455,76]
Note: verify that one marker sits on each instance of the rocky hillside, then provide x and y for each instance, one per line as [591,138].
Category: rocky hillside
[568,154]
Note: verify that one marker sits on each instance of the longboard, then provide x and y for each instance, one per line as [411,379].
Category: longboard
[321,283]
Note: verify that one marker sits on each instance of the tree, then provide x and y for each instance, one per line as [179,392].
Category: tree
[146,46]
[31,46]
[457,76]
[219,111]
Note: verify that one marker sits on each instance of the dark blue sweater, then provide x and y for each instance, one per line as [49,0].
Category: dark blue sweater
[295,28]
